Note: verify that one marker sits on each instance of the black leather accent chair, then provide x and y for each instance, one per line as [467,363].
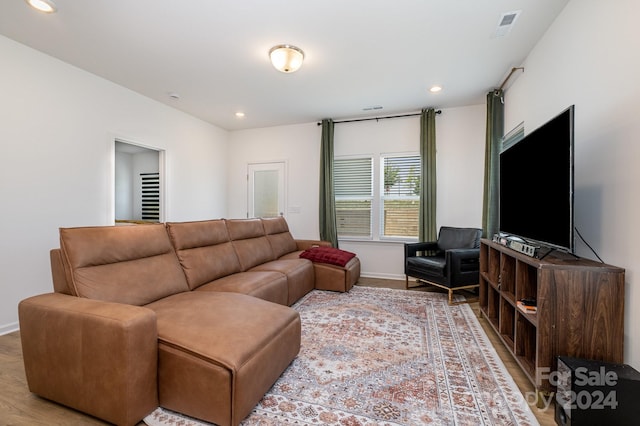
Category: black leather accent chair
[451,263]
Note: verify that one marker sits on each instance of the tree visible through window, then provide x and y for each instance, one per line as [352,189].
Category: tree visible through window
[391,211]
[400,196]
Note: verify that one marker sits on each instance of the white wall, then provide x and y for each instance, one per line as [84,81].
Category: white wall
[460,157]
[57,131]
[589,57]
[299,147]
[123,185]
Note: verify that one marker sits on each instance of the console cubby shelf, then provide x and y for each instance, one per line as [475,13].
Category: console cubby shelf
[580,308]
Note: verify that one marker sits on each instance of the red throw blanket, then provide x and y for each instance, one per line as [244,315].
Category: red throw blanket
[329,255]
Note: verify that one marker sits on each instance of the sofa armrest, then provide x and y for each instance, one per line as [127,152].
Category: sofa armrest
[97,357]
[307,244]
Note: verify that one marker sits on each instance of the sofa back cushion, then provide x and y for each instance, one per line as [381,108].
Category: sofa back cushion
[204,250]
[250,242]
[134,264]
[279,237]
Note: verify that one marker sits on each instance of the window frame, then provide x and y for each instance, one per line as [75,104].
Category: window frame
[376,233]
[383,197]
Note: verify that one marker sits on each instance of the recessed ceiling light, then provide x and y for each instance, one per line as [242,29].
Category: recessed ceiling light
[174,95]
[239,114]
[46,6]
[435,89]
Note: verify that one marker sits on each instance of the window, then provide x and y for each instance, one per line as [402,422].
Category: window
[400,196]
[377,205]
[353,182]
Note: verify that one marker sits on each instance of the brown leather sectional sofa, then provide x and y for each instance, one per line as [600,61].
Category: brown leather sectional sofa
[191,316]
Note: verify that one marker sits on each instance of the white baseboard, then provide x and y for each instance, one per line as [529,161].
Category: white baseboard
[9,328]
[382,276]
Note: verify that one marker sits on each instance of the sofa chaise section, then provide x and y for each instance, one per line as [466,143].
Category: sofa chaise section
[219,373]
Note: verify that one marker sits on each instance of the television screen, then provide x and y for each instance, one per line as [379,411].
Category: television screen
[536,185]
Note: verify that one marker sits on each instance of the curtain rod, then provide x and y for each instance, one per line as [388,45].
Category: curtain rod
[514,69]
[379,118]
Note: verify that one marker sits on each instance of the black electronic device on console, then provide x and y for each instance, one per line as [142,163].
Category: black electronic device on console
[596,393]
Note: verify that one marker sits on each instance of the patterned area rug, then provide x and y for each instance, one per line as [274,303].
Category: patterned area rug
[387,357]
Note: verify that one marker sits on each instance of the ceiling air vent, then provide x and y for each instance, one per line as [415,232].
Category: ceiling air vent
[506,22]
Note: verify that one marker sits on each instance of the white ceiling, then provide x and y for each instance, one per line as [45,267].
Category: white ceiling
[359,53]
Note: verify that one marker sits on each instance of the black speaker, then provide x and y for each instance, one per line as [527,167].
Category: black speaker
[596,393]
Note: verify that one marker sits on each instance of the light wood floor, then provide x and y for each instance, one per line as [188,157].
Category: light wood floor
[20,407]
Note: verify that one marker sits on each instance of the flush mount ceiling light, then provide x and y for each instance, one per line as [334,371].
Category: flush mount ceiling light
[435,89]
[46,6]
[286,58]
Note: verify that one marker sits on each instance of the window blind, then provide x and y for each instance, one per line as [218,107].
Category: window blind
[353,185]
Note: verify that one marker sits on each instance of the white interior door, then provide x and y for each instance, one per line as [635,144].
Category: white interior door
[266,189]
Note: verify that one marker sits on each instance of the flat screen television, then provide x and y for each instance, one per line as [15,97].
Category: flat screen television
[536,185]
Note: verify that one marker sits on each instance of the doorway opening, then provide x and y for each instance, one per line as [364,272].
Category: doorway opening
[138,184]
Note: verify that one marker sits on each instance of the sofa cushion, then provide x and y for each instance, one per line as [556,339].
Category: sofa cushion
[250,242]
[279,237]
[204,250]
[125,264]
[329,255]
[299,273]
[265,285]
[186,235]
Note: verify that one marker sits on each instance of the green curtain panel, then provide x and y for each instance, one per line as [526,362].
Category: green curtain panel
[328,227]
[495,132]
[427,227]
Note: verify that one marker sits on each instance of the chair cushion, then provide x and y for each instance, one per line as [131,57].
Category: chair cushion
[329,255]
[452,238]
[433,265]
